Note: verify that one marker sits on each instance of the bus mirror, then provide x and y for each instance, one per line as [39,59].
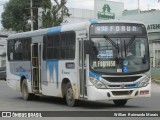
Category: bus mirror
[144,61]
[87,46]
[94,50]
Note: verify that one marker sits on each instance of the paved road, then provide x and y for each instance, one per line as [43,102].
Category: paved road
[11,100]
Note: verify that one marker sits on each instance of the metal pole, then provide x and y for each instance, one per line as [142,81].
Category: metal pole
[138,7]
[31,10]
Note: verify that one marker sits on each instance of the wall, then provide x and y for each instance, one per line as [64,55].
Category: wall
[152,23]
[108,8]
[147,18]
[155,72]
[79,15]
[2,50]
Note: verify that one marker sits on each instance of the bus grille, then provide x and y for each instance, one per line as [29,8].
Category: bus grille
[122,79]
[118,93]
[125,86]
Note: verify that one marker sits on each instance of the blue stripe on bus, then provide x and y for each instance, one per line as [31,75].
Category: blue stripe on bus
[94,75]
[54,30]
[52,70]
[93,21]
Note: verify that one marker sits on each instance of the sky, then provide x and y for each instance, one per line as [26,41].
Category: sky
[89,4]
[128,4]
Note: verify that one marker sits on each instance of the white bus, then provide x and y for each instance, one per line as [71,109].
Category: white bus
[107,60]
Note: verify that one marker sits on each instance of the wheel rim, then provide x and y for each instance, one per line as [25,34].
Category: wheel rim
[69,96]
[24,91]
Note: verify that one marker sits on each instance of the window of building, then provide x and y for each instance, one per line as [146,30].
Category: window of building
[3,62]
[157,58]
[151,53]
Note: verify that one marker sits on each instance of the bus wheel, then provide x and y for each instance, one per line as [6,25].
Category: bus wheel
[26,96]
[35,97]
[69,95]
[120,102]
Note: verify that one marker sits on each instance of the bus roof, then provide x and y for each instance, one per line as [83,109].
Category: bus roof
[63,28]
[52,30]
[120,21]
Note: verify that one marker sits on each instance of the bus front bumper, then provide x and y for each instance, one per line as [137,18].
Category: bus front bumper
[115,94]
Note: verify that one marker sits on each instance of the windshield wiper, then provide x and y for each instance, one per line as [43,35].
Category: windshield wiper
[112,42]
[125,48]
[130,42]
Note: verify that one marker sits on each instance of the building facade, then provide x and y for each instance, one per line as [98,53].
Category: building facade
[105,9]
[151,20]
[2,51]
[3,46]
[79,15]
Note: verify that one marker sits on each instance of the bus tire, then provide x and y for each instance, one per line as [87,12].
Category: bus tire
[69,96]
[120,102]
[25,94]
[35,97]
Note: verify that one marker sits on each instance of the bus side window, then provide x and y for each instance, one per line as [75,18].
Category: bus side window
[10,49]
[53,47]
[19,49]
[67,45]
[44,47]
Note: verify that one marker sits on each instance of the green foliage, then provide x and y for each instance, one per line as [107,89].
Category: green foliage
[46,4]
[17,13]
[14,16]
[54,15]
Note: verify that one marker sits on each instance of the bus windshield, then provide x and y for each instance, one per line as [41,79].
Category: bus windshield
[114,55]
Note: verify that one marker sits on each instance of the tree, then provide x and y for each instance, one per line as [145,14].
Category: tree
[54,15]
[17,13]
[14,16]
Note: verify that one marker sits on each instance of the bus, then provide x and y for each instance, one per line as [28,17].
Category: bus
[93,60]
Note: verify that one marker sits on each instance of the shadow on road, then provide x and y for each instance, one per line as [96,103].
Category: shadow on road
[81,103]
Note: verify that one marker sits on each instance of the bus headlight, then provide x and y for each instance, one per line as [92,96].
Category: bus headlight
[97,83]
[145,82]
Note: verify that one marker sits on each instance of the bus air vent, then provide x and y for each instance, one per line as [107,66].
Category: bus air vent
[122,79]
[118,93]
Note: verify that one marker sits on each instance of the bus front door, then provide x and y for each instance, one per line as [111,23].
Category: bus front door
[82,69]
[36,67]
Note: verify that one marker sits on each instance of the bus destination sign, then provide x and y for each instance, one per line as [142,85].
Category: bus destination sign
[115,29]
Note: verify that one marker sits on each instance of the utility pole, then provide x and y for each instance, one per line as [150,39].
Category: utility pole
[31,10]
[158,1]
[138,6]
